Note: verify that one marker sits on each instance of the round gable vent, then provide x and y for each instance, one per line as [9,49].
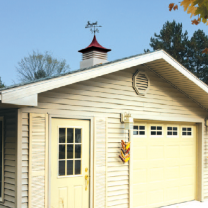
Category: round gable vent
[140,82]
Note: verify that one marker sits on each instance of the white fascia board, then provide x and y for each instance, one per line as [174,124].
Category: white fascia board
[184,71]
[11,95]
[31,100]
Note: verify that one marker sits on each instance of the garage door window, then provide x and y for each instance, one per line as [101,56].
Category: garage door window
[172,131]
[186,131]
[139,130]
[156,131]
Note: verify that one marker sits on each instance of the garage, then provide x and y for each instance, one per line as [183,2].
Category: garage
[164,163]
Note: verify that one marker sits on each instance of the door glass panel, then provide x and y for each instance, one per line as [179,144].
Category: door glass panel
[70,135]
[62,167]
[77,135]
[77,167]
[70,167]
[62,151]
[186,131]
[61,135]
[156,130]
[70,151]
[77,151]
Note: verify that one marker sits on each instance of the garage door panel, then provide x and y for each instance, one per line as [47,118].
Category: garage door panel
[140,187]
[140,199]
[137,164]
[156,196]
[172,162]
[187,150]
[140,152]
[187,171]
[155,174]
[140,176]
[186,161]
[156,152]
[164,168]
[187,192]
[172,194]
[172,151]
[172,172]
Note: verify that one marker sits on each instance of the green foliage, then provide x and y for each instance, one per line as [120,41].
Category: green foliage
[171,39]
[38,65]
[198,61]
[1,84]
[186,51]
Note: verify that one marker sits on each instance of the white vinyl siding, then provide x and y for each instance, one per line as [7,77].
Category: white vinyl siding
[108,96]
[10,141]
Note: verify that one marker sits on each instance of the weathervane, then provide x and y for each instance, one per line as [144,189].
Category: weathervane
[93,27]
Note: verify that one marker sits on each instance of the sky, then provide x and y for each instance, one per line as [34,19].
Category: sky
[59,27]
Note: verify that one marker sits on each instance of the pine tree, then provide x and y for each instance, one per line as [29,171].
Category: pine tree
[186,51]
[171,39]
[198,61]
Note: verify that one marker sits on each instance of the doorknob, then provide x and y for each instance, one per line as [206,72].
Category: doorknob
[86,182]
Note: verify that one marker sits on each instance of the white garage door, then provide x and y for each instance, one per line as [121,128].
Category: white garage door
[164,162]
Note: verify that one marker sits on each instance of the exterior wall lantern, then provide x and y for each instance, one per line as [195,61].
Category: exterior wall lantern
[127,120]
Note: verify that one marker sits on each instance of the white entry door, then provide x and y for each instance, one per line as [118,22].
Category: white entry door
[70,163]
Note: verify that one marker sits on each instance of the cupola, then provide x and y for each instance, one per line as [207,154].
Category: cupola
[93,54]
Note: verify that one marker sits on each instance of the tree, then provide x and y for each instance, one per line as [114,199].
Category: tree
[172,39]
[198,61]
[1,84]
[186,51]
[194,7]
[38,65]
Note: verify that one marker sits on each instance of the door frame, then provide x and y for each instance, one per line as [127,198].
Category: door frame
[91,157]
[199,151]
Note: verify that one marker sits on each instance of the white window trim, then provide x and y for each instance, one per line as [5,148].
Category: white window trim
[172,136]
[186,136]
[156,130]
[82,169]
[2,185]
[140,130]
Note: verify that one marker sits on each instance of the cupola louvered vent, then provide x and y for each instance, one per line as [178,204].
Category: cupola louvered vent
[140,82]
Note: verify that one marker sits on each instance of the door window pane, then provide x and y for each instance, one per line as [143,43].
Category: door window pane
[62,151]
[62,167]
[78,151]
[70,135]
[77,167]
[78,135]
[70,148]
[70,167]
[61,135]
